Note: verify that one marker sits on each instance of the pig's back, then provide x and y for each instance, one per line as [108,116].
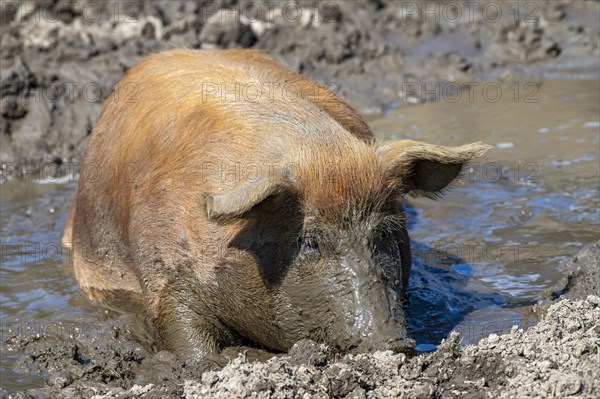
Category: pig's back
[166,114]
[164,123]
[175,96]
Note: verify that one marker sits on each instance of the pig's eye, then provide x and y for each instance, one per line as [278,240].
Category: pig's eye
[310,246]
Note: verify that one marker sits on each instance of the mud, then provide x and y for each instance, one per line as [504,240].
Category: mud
[581,277]
[555,358]
[583,273]
[60,60]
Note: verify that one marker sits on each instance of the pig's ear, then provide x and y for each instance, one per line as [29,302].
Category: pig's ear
[244,197]
[425,169]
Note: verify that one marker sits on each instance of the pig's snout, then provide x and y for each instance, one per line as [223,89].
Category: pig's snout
[392,338]
[386,336]
[373,315]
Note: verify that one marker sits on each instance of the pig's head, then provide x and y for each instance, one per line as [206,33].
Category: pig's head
[327,232]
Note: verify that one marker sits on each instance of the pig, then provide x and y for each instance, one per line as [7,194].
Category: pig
[232,200]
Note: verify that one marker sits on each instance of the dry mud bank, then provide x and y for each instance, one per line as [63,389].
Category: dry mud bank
[59,60]
[557,357]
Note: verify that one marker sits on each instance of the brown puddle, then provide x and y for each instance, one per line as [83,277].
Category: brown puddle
[497,238]
[482,254]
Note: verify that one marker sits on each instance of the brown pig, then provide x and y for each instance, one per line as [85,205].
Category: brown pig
[233,200]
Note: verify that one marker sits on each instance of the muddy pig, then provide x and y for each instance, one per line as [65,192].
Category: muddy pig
[233,200]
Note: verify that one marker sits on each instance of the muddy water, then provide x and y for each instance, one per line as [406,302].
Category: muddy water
[486,251]
[483,254]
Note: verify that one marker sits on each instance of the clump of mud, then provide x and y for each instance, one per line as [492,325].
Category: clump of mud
[581,277]
[583,272]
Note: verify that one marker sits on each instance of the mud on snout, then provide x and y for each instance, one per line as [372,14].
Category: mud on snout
[351,296]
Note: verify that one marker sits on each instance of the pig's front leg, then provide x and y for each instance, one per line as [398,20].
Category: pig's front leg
[184,329]
[184,320]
